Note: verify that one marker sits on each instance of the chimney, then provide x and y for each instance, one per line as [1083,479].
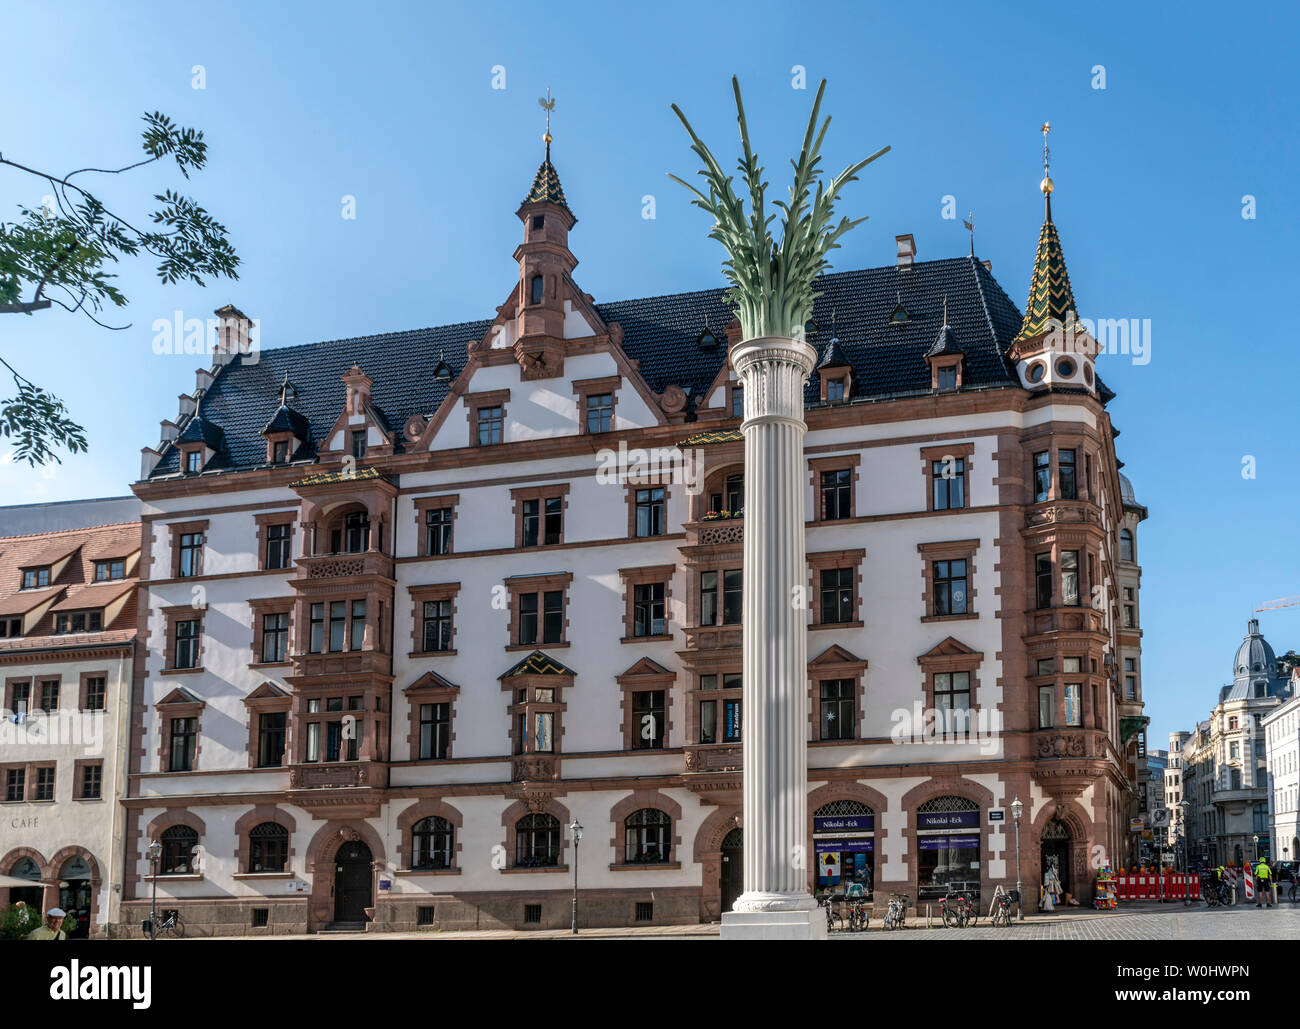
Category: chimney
[185,406]
[906,249]
[234,334]
[149,459]
[988,265]
[169,432]
[358,385]
[202,380]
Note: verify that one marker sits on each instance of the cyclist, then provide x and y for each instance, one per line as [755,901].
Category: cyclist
[1262,883]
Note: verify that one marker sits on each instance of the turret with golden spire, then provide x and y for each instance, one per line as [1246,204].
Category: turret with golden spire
[1051,300]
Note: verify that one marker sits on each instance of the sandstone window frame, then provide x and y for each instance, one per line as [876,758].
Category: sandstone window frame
[423,505]
[83,691]
[948,550]
[831,560]
[650,575]
[432,593]
[632,488]
[176,531]
[836,663]
[430,688]
[646,676]
[540,493]
[260,607]
[476,402]
[172,617]
[268,699]
[517,587]
[178,704]
[950,655]
[264,522]
[965,452]
[585,389]
[834,463]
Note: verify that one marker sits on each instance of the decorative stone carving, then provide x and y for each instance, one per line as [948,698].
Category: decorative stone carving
[673,400]
[1062,745]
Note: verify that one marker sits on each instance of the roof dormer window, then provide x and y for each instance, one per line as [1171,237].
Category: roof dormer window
[106,570]
[10,628]
[78,621]
[193,462]
[36,578]
[899,315]
[707,340]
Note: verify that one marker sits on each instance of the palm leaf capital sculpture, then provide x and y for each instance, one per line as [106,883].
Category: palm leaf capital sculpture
[771,280]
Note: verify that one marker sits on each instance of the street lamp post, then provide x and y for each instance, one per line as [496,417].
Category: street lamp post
[575,831]
[1187,871]
[1017,809]
[155,853]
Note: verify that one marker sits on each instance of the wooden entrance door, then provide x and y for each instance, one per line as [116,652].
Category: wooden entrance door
[733,868]
[353,882]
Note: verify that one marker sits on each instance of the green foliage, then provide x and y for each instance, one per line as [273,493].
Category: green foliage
[771,282]
[16,922]
[64,254]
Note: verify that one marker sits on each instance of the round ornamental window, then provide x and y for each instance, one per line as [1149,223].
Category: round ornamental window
[1036,371]
[1065,368]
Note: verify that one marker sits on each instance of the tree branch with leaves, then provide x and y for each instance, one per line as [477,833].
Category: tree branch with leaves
[62,255]
[771,281]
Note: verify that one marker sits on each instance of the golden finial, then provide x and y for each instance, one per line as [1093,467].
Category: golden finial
[548,105]
[1046,185]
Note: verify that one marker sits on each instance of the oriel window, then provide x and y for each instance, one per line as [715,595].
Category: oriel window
[1065,474]
[1042,476]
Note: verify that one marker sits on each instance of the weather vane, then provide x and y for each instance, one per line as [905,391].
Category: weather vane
[548,105]
[970,227]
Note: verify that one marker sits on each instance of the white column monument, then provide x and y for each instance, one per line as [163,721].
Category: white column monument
[772,288]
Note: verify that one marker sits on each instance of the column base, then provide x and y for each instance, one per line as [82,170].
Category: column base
[774,925]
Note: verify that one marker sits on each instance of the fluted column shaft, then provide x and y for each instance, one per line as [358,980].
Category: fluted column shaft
[775,632]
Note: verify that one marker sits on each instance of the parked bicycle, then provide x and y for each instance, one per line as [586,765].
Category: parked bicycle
[1002,908]
[170,925]
[896,915]
[957,910]
[833,914]
[1213,892]
[858,917]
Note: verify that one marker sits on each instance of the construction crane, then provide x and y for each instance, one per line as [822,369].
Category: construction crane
[1273,605]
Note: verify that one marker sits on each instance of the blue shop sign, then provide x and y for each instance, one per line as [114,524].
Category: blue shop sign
[947,842]
[844,823]
[947,819]
[866,846]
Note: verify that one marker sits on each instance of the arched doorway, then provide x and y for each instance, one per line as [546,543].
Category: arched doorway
[33,895]
[353,882]
[733,867]
[75,894]
[1056,852]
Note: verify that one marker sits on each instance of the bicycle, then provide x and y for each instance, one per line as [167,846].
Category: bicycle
[952,909]
[1212,891]
[1002,909]
[828,902]
[170,925]
[858,917]
[896,915]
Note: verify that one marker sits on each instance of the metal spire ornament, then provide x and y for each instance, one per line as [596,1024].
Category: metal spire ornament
[771,280]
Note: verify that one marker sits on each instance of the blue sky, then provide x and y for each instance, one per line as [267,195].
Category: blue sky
[393,104]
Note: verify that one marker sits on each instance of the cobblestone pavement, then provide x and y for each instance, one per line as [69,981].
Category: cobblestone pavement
[1148,923]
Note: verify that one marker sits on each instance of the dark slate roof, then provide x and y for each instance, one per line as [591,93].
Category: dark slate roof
[286,419]
[662,333]
[537,663]
[833,355]
[202,429]
[945,343]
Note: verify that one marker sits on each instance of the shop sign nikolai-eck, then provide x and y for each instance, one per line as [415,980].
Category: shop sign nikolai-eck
[844,823]
[947,819]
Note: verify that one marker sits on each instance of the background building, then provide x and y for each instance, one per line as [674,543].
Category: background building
[1157,764]
[67,649]
[418,601]
[1225,774]
[1282,746]
[1174,786]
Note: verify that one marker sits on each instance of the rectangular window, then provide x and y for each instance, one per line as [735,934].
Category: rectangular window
[1045,703]
[313,741]
[338,624]
[437,625]
[650,512]
[435,731]
[1042,475]
[948,482]
[1065,474]
[950,587]
[952,701]
[837,494]
[738,401]
[491,425]
[600,412]
[91,786]
[553,616]
[280,452]
[275,637]
[708,721]
[836,595]
[36,578]
[44,783]
[648,719]
[194,461]
[95,693]
[1073,703]
[838,703]
[106,570]
[1130,616]
[648,609]
[543,521]
[1130,687]
[708,598]
[437,530]
[834,390]
[732,593]
[947,377]
[184,739]
[191,556]
[271,730]
[50,696]
[1070,578]
[316,641]
[357,640]
[1046,666]
[15,785]
[358,443]
[188,634]
[1043,579]
[543,731]
[277,545]
[527,618]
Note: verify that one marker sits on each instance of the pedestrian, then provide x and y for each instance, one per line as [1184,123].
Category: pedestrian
[53,927]
[1263,882]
